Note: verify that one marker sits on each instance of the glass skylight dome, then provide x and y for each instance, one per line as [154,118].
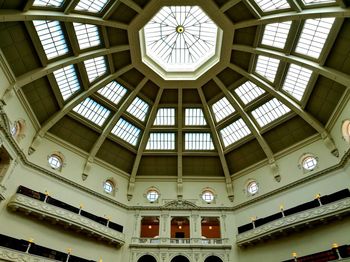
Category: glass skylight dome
[180,42]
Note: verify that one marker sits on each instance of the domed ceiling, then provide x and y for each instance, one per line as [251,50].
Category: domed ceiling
[279,74]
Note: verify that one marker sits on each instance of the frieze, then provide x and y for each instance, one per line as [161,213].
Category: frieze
[13,255]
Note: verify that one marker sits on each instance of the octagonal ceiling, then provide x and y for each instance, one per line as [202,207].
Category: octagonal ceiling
[282,74]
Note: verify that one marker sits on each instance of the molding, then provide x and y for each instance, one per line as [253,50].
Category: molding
[41,209]
[285,224]
[7,254]
[6,68]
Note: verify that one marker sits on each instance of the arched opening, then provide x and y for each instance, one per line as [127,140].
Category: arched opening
[4,162]
[150,227]
[180,230]
[147,258]
[213,259]
[210,229]
[180,259]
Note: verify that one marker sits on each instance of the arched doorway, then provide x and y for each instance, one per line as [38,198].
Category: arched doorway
[147,258]
[180,259]
[213,259]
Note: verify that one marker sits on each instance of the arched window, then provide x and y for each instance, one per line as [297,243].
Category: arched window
[346,130]
[17,129]
[108,186]
[147,258]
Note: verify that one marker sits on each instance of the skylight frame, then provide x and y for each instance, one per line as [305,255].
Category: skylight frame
[222,109]
[297,81]
[88,35]
[194,117]
[95,68]
[270,112]
[234,132]
[198,141]
[113,92]
[92,111]
[127,132]
[91,6]
[248,92]
[52,38]
[308,48]
[277,7]
[161,141]
[67,81]
[46,4]
[138,109]
[276,34]
[267,67]
[320,3]
[166,116]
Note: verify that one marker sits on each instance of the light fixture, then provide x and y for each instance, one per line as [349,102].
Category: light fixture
[149,227]
[180,227]
[210,227]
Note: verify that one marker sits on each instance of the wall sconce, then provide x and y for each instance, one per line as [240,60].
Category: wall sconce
[210,227]
[180,227]
[149,227]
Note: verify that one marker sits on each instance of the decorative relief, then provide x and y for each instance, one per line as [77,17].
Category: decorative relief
[294,220]
[180,204]
[43,209]
[13,255]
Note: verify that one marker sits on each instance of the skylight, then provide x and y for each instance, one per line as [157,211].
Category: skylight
[234,132]
[51,38]
[315,2]
[296,81]
[92,111]
[314,36]
[272,5]
[165,117]
[194,117]
[269,112]
[67,81]
[87,35]
[198,141]
[161,141]
[95,68]
[93,6]
[126,131]
[138,109]
[276,34]
[248,92]
[49,3]
[222,109]
[113,92]
[267,67]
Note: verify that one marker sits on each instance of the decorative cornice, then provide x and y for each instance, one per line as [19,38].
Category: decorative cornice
[44,210]
[296,220]
[14,255]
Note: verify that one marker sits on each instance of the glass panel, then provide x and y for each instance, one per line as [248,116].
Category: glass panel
[95,68]
[113,92]
[248,92]
[87,35]
[314,36]
[267,67]
[138,109]
[269,112]
[161,141]
[67,81]
[234,132]
[92,111]
[276,34]
[198,141]
[296,81]
[93,6]
[51,37]
[315,2]
[49,3]
[165,117]
[222,109]
[126,131]
[194,117]
[272,5]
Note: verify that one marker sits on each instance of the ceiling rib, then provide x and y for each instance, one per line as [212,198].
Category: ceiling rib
[218,144]
[288,16]
[8,15]
[252,126]
[229,5]
[180,144]
[142,145]
[28,5]
[132,5]
[330,73]
[35,74]
[71,104]
[292,105]
[108,128]
[70,7]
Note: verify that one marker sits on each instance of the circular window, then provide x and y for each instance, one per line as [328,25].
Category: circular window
[152,195]
[108,186]
[55,162]
[14,129]
[309,162]
[208,196]
[346,130]
[252,187]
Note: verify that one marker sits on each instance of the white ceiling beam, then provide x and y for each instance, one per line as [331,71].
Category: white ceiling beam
[293,15]
[219,147]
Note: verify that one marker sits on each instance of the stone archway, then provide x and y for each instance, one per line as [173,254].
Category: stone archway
[213,259]
[180,259]
[147,258]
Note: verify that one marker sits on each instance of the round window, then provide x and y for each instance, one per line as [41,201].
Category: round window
[14,129]
[309,162]
[152,195]
[208,196]
[108,186]
[252,187]
[55,162]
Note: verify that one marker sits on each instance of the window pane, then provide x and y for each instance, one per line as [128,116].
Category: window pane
[194,117]
[248,92]
[126,131]
[276,34]
[92,111]
[267,67]
[93,6]
[165,117]
[222,109]
[161,141]
[296,81]
[138,108]
[113,92]
[234,132]
[95,68]
[271,5]
[315,2]
[49,3]
[87,35]
[198,141]
[67,81]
